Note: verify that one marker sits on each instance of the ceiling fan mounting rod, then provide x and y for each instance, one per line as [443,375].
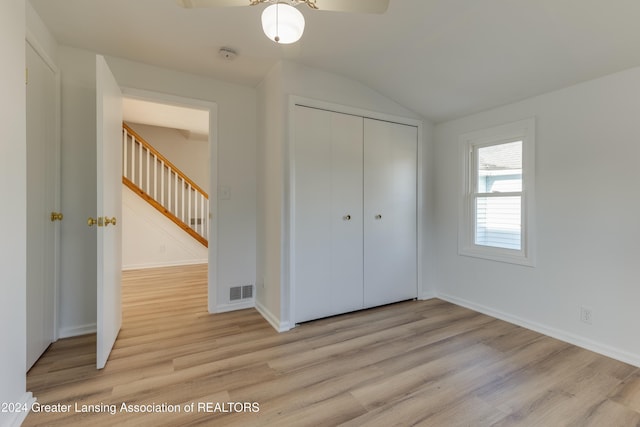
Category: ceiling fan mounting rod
[311,3]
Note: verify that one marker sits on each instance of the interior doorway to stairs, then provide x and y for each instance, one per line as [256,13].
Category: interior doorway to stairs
[169,184]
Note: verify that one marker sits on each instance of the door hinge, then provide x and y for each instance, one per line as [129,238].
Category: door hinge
[26,76]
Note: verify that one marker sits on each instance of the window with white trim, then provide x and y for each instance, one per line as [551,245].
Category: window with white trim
[496,209]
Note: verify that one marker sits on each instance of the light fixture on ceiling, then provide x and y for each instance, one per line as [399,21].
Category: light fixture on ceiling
[282,23]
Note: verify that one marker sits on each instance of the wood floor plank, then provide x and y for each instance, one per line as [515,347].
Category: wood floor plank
[628,392]
[427,363]
[608,413]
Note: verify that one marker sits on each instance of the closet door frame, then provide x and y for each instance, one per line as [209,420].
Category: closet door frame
[288,291]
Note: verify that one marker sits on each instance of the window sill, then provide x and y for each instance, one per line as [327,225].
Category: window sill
[496,254]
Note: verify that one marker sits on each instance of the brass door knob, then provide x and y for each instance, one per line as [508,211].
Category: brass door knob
[92,221]
[56,216]
[108,221]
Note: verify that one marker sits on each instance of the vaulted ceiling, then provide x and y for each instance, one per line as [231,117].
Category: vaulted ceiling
[440,58]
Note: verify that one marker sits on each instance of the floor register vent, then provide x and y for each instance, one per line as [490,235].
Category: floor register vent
[240,292]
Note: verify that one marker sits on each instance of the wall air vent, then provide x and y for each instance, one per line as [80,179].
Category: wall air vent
[237,293]
[247,291]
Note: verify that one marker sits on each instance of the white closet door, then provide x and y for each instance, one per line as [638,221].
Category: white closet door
[41,190]
[328,254]
[390,227]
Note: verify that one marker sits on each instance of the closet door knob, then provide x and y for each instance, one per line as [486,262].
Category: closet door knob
[347,217]
[92,221]
[378,216]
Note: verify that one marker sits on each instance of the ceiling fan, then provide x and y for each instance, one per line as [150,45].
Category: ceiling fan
[282,22]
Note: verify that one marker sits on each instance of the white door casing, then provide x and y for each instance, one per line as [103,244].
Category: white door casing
[109,206]
[214,305]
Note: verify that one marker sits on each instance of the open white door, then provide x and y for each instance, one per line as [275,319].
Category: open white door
[109,194]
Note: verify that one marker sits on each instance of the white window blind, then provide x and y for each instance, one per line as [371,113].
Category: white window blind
[498,195]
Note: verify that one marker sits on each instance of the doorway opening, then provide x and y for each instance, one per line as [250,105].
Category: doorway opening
[168,190]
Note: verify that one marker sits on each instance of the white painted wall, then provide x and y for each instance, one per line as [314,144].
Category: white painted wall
[149,239]
[587,213]
[13,177]
[189,154]
[429,242]
[236,135]
[285,79]
[77,314]
[270,207]
[236,161]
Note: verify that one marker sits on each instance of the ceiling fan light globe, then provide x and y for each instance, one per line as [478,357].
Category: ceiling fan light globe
[282,23]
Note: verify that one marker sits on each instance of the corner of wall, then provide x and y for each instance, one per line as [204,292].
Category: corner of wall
[77,306]
[428,262]
[269,204]
[39,36]
[13,178]
[274,321]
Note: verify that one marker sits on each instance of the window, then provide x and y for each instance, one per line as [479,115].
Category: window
[496,215]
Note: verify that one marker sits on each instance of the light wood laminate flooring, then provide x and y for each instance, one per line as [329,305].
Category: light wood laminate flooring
[427,363]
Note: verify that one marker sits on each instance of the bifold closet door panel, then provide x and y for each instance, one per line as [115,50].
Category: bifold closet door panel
[390,212]
[328,254]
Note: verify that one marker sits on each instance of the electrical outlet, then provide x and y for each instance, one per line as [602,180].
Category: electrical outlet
[586,315]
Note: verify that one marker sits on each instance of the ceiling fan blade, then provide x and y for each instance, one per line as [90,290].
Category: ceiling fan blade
[361,6]
[190,4]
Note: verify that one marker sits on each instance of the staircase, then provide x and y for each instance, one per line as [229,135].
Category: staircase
[154,178]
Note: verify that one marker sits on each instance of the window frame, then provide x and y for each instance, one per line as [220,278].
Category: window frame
[523,130]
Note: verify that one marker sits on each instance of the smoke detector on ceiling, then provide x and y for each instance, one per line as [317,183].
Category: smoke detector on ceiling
[227,53]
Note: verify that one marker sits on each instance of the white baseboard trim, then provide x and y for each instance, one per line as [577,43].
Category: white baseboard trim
[224,308]
[163,264]
[273,320]
[75,331]
[605,350]
[17,418]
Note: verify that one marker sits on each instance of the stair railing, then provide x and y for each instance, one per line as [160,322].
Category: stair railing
[153,177]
